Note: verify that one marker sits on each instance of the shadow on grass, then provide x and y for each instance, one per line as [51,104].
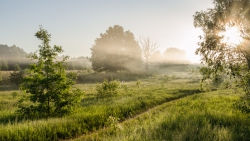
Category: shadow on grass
[7,88]
[188,91]
[12,119]
[99,77]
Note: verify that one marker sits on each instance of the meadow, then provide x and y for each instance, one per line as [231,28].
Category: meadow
[157,107]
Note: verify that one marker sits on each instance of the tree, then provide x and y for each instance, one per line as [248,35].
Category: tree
[148,47]
[115,50]
[175,55]
[46,83]
[223,57]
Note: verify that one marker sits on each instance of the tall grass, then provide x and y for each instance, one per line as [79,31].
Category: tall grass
[93,113]
[206,116]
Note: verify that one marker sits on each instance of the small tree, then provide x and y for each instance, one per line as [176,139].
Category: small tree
[47,84]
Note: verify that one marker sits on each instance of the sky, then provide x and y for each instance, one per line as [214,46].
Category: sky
[75,24]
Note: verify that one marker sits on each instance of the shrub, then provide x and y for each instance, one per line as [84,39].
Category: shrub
[107,88]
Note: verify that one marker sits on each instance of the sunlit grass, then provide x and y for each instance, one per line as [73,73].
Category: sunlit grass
[159,109]
[206,116]
[92,113]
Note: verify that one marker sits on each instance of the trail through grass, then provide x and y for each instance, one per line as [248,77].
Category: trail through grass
[205,116]
[93,113]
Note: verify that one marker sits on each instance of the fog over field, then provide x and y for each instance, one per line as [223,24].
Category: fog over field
[76,25]
[162,70]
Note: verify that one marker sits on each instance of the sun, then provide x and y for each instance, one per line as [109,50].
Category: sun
[232,36]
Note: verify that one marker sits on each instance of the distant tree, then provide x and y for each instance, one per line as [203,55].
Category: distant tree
[156,57]
[13,55]
[148,47]
[224,57]
[115,50]
[46,83]
[175,55]
[16,77]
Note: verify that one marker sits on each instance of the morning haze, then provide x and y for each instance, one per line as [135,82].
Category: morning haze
[125,70]
[75,25]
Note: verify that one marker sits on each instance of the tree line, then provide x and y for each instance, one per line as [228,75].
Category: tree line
[118,50]
[115,50]
[13,56]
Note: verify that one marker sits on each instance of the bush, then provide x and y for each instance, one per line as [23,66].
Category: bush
[107,88]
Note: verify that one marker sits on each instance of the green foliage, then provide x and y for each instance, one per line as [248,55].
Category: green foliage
[124,87]
[113,123]
[14,94]
[220,57]
[116,50]
[47,84]
[206,116]
[108,88]
[138,84]
[91,115]
[223,57]
[210,80]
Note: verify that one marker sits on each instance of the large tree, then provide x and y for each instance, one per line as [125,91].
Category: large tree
[115,50]
[223,57]
[46,84]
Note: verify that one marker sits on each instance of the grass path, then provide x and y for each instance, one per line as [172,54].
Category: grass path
[204,116]
[144,114]
[93,113]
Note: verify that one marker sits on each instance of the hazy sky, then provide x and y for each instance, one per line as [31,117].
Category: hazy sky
[75,24]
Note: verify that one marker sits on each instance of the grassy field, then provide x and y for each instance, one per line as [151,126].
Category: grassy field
[204,116]
[160,108]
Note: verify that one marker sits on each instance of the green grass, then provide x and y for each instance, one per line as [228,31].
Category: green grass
[205,116]
[92,114]
[176,110]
